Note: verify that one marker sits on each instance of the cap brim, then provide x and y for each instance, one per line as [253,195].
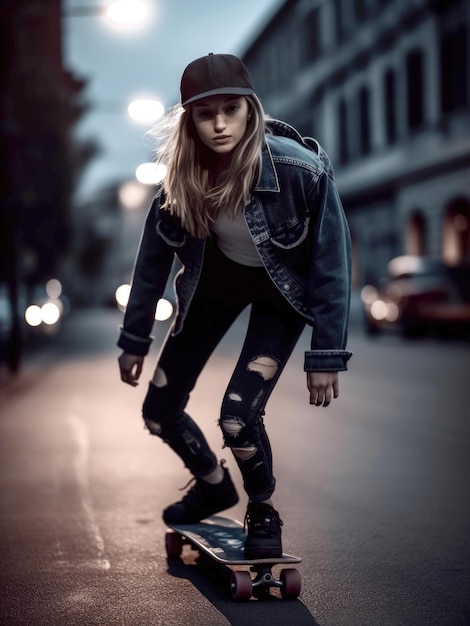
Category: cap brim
[236,91]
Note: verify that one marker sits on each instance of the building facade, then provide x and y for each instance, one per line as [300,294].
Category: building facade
[384,86]
[40,101]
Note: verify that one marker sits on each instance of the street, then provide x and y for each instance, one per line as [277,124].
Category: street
[373,490]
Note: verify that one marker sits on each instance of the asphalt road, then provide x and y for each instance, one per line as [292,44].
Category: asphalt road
[373,491]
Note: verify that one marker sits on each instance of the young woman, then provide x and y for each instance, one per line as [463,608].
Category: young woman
[251,212]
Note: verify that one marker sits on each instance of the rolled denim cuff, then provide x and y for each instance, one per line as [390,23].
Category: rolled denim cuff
[134,344]
[326,360]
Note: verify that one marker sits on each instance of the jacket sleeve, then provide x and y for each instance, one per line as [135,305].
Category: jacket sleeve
[151,271]
[328,296]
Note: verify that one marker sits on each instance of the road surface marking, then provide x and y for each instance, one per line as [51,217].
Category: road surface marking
[82,439]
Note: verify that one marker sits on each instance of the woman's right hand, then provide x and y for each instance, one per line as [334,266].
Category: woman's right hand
[131,368]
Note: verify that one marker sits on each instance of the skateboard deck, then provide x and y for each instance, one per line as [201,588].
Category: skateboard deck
[223,539]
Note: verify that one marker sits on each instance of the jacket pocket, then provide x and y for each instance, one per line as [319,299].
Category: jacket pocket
[291,235]
[292,245]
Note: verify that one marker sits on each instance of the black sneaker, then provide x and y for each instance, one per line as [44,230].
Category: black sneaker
[263,531]
[202,500]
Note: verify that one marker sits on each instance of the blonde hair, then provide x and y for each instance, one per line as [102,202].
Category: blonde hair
[189,193]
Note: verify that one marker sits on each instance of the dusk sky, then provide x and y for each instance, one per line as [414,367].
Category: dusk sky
[147,62]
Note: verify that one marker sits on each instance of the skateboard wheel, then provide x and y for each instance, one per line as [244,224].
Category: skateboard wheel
[173,544]
[241,585]
[291,583]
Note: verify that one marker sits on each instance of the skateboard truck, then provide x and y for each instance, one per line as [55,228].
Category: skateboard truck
[242,586]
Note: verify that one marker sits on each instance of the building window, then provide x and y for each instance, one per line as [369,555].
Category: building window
[339,21]
[390,95]
[316,127]
[312,36]
[454,69]
[415,89]
[456,232]
[364,120]
[343,144]
[415,235]
[360,11]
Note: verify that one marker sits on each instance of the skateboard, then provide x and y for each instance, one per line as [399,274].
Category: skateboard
[223,539]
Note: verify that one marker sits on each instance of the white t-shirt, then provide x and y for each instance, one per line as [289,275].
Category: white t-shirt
[232,236]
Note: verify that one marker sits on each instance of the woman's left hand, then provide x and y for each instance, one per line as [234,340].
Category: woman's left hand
[321,386]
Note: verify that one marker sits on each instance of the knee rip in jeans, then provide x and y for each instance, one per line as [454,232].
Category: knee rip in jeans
[245,453]
[154,428]
[232,427]
[149,409]
[265,366]
[159,377]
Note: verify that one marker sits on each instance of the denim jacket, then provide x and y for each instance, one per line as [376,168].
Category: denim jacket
[297,223]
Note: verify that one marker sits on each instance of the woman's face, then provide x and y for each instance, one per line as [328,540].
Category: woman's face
[221,121]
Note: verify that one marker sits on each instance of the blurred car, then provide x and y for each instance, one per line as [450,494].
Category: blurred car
[420,296]
[37,313]
[37,308]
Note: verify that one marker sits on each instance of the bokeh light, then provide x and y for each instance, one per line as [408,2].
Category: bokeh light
[33,315]
[127,11]
[150,173]
[54,288]
[122,296]
[146,110]
[164,310]
[132,195]
[50,313]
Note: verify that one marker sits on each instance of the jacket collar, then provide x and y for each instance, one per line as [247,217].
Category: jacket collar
[268,180]
[281,129]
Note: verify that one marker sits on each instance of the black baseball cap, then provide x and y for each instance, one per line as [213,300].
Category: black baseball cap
[213,75]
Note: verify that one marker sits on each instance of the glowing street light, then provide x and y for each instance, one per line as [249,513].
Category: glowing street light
[33,315]
[150,173]
[120,12]
[127,11]
[132,195]
[163,311]
[146,110]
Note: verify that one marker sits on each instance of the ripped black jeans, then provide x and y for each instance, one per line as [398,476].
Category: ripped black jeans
[224,290]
